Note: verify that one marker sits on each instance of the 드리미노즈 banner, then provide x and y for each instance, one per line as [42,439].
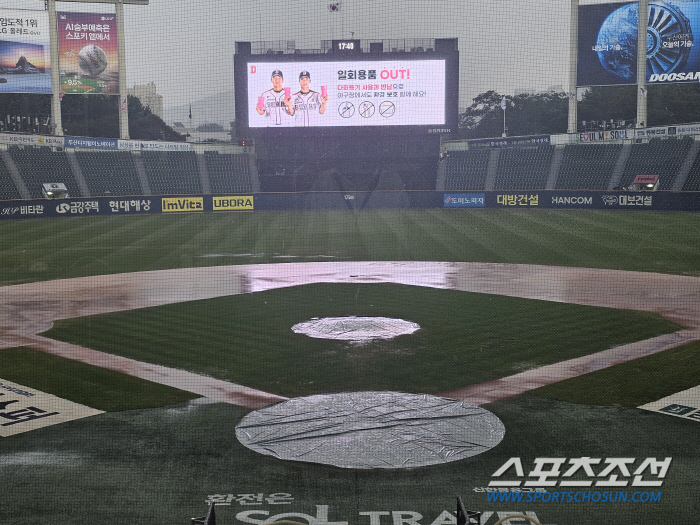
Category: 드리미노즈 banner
[88,53]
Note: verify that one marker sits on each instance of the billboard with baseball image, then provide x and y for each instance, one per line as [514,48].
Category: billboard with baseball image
[25,58]
[607,52]
[377,92]
[88,53]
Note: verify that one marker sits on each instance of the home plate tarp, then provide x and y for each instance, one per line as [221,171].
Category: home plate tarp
[367,430]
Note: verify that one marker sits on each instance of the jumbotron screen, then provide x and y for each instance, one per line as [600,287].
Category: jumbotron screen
[380,92]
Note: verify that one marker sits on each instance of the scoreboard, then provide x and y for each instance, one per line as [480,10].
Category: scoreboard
[346,89]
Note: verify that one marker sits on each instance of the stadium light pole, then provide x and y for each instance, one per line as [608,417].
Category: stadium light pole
[121,50]
[573,66]
[642,64]
[56,119]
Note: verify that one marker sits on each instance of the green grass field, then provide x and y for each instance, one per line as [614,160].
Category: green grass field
[157,454]
[41,250]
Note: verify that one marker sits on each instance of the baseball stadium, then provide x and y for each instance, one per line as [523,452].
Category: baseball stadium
[416,283]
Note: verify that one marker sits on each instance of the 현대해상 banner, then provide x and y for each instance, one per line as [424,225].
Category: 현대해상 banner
[88,53]
[25,53]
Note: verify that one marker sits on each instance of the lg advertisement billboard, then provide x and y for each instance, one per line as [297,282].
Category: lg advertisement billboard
[378,92]
[25,58]
[607,49]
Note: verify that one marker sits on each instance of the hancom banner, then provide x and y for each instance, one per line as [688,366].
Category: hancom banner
[88,54]
[25,54]
[607,47]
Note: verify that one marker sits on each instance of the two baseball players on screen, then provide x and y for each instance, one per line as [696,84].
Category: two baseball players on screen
[283,109]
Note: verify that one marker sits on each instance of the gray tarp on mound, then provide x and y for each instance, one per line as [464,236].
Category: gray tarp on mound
[371,430]
[352,328]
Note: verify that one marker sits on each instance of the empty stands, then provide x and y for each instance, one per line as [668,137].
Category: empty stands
[657,157]
[39,165]
[109,172]
[692,181]
[8,190]
[172,172]
[587,166]
[582,167]
[466,170]
[229,173]
[523,168]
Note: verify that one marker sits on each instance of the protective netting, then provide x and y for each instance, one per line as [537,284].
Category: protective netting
[367,430]
[353,328]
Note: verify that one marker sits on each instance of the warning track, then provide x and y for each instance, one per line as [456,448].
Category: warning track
[30,309]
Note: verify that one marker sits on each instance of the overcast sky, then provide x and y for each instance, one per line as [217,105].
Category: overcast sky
[186,46]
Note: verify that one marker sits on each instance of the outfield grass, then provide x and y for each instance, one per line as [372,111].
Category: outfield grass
[465,338]
[85,384]
[35,250]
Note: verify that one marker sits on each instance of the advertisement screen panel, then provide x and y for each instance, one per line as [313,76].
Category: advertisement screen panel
[88,55]
[346,93]
[671,53]
[608,43]
[25,56]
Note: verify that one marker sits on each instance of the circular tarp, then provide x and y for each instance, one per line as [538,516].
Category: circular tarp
[355,328]
[367,430]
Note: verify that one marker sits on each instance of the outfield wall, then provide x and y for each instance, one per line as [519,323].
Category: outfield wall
[601,200]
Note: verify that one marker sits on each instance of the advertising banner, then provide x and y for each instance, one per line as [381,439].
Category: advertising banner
[25,55]
[607,48]
[464,200]
[154,146]
[88,54]
[510,142]
[601,136]
[89,143]
[607,44]
[552,199]
[33,140]
[347,93]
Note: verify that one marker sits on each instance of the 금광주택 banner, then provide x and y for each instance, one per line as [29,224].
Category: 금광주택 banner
[25,55]
[347,93]
[88,53]
[607,46]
